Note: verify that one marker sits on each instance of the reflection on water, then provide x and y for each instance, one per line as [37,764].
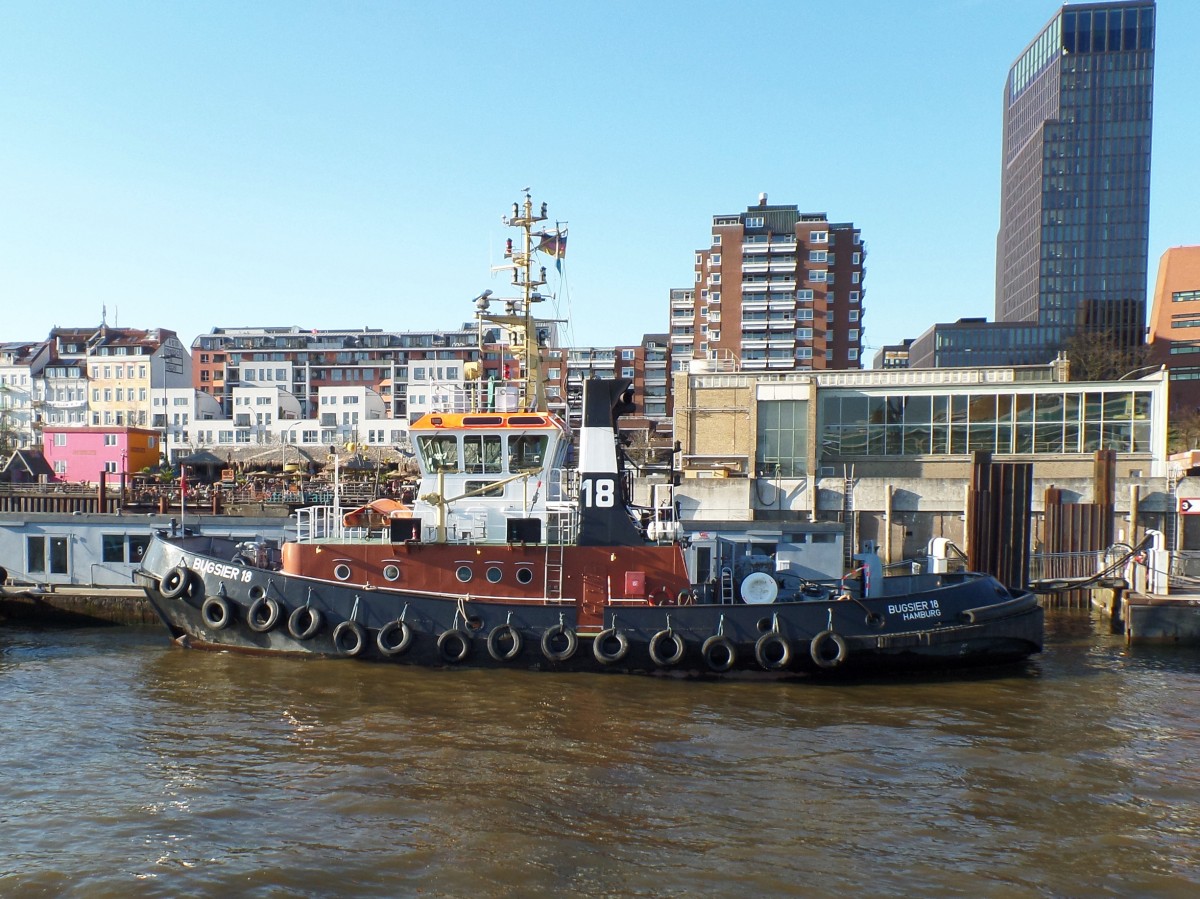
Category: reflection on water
[133,766]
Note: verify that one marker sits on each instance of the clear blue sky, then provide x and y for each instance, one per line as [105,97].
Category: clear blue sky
[346,164]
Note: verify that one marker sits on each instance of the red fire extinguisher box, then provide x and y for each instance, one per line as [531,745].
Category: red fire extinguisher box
[635,584]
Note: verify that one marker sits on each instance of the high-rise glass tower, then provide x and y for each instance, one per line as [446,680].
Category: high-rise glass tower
[1075,182]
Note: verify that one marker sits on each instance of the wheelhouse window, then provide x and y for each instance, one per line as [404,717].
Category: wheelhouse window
[482,453]
[439,452]
[527,451]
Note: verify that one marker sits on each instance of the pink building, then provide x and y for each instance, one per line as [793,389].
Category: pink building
[80,454]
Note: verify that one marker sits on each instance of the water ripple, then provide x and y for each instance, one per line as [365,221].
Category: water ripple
[133,767]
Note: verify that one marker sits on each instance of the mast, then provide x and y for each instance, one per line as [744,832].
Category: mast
[518,317]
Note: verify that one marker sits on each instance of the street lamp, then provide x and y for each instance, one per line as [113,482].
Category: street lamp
[284,440]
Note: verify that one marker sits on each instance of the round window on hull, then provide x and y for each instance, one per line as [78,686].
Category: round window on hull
[464,574]
[494,575]
[524,575]
[341,571]
[391,572]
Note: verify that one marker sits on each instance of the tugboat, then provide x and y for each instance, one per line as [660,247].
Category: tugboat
[509,557]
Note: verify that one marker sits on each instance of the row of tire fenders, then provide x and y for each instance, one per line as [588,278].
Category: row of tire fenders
[772,650]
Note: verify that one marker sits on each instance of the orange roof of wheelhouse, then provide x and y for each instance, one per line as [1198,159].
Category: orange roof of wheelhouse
[514,421]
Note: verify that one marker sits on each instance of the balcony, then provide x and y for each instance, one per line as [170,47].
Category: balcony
[788,284]
[759,267]
[754,287]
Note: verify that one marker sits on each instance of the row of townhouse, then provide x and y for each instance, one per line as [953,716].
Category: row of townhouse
[288,386]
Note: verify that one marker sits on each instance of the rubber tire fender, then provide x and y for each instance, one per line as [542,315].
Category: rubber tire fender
[175,582]
[675,657]
[764,643]
[443,643]
[383,641]
[308,631]
[223,616]
[817,644]
[715,644]
[261,626]
[355,630]
[498,633]
[559,655]
[609,658]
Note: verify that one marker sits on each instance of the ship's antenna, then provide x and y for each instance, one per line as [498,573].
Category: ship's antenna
[518,313]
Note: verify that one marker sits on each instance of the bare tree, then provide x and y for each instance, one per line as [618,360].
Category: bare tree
[1183,430]
[1103,356]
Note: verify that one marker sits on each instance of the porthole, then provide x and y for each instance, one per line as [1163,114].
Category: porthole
[494,574]
[464,573]
[524,575]
[341,571]
[391,572]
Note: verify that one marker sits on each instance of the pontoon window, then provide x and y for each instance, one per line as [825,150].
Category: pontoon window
[439,451]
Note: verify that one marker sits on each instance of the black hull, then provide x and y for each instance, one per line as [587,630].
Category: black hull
[977,622]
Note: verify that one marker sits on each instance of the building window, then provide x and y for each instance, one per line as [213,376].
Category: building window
[110,439]
[854,295]
[755,221]
[817,256]
[819,236]
[853,315]
[855,277]
[1185,296]
[782,444]
[856,258]
[817,276]
[627,354]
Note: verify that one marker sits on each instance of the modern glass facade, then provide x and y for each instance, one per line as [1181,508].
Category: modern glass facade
[1033,423]
[1075,183]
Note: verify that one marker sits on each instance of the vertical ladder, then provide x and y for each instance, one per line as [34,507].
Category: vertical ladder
[726,585]
[1171,521]
[850,538]
[560,526]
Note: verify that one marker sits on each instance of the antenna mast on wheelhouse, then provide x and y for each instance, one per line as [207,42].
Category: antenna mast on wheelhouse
[518,312]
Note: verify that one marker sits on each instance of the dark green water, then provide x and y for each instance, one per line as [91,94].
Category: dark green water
[130,768]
